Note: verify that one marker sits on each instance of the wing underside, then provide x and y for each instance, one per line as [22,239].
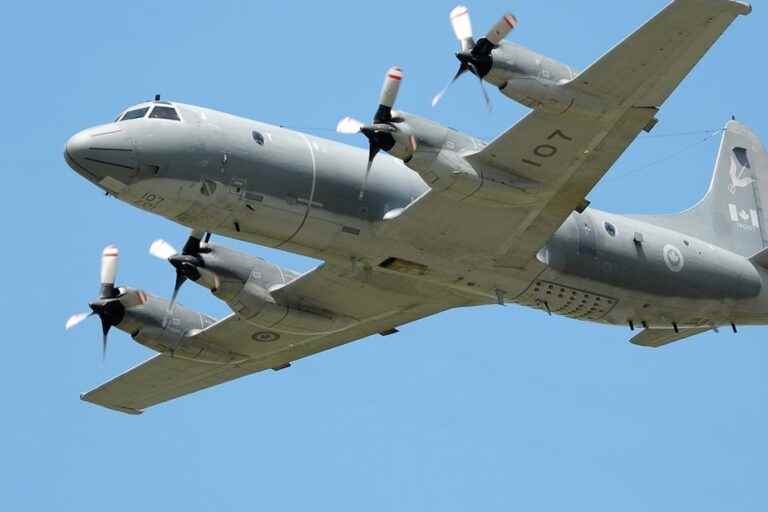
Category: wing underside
[567,154]
[370,310]
[159,379]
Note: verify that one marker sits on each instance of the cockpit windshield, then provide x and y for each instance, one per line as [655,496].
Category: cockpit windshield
[134,114]
[160,112]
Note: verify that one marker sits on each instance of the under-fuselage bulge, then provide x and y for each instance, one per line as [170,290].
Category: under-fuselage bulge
[272,186]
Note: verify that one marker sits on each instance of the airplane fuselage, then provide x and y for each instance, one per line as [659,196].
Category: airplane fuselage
[285,189]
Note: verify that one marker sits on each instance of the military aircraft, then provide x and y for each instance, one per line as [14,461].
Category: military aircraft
[428,219]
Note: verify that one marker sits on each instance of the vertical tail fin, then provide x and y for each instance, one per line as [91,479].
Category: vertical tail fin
[732,214]
[739,192]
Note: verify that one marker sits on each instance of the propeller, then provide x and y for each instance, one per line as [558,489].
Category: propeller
[475,57]
[186,263]
[379,132]
[107,307]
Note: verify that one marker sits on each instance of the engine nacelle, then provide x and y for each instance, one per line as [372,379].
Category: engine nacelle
[257,306]
[451,174]
[244,283]
[536,81]
[150,323]
[436,152]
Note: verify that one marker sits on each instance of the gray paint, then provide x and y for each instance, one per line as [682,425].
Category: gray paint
[402,242]
[284,197]
[738,186]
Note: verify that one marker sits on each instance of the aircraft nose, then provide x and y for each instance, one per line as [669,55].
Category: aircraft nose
[105,151]
[75,150]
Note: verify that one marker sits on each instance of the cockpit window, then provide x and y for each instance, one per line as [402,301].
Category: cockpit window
[164,113]
[135,114]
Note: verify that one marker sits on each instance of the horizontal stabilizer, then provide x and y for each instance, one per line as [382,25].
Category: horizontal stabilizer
[656,338]
[760,259]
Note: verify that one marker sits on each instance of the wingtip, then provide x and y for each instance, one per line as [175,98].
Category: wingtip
[747,9]
[126,410]
[737,6]
[743,8]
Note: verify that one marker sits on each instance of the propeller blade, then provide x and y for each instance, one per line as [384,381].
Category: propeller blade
[181,261]
[180,279]
[439,96]
[487,98]
[501,29]
[462,27]
[391,87]
[162,249]
[75,320]
[105,326]
[109,271]
[349,126]
[482,87]
[379,132]
[388,95]
[373,150]
[192,245]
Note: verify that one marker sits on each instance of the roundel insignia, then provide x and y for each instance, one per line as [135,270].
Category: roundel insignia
[673,258]
[265,336]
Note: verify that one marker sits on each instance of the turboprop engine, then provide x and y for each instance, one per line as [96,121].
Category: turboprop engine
[405,136]
[147,319]
[436,152]
[521,74]
[247,284]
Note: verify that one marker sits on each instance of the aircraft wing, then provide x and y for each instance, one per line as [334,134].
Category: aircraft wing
[579,152]
[157,380]
[372,310]
[566,154]
[647,66]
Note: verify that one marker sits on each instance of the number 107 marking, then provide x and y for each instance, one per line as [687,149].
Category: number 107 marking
[547,150]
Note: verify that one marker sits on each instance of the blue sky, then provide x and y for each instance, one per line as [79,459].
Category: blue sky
[488,408]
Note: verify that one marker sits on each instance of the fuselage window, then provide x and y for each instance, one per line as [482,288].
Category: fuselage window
[610,228]
[135,114]
[259,138]
[164,113]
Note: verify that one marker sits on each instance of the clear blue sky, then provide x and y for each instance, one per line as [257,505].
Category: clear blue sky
[492,409]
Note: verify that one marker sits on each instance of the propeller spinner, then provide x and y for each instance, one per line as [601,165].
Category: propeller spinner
[187,263]
[379,132]
[107,307]
[475,57]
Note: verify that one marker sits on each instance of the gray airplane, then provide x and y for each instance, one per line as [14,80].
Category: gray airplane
[428,219]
